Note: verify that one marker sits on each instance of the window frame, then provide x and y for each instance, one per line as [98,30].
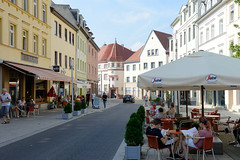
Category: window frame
[35,8]
[231,18]
[24,40]
[43,47]
[12,35]
[60,30]
[35,43]
[44,13]
[25,5]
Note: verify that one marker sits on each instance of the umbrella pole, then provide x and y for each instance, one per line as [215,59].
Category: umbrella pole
[186,95]
[202,99]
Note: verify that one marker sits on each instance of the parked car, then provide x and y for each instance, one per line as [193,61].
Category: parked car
[128,98]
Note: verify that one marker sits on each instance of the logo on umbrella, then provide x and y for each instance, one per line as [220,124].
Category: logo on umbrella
[157,80]
[211,78]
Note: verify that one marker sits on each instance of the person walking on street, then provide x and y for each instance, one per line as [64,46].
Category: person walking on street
[5,99]
[104,98]
[93,97]
[87,98]
[146,99]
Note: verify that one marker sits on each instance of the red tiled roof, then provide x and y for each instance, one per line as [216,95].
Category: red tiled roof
[136,56]
[114,52]
[163,38]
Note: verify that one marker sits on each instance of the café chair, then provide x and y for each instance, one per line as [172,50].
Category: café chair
[37,108]
[148,113]
[31,111]
[207,146]
[167,125]
[153,144]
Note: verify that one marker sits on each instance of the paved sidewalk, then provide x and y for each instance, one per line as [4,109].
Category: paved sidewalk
[20,128]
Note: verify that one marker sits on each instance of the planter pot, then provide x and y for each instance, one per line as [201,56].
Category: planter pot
[132,152]
[76,113]
[66,115]
[83,111]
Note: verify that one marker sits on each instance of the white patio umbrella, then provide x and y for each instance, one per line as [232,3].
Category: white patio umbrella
[198,71]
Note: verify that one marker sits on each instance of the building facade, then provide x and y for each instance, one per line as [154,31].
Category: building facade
[111,69]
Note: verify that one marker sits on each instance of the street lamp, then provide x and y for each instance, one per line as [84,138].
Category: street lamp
[72,67]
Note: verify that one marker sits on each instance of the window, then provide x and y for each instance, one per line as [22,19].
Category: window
[128,67]
[113,64]
[128,79]
[112,78]
[145,66]
[207,34]
[35,42]
[134,67]
[70,62]
[160,64]
[184,38]
[35,8]
[25,5]
[181,20]
[152,51]
[60,30]
[24,40]
[201,37]
[184,16]
[105,66]
[55,28]
[202,9]
[118,64]
[194,6]
[189,34]
[43,47]
[105,76]
[66,62]
[148,52]
[180,40]
[231,13]
[212,31]
[70,38]
[56,58]
[12,35]
[13,1]
[152,65]
[156,51]
[134,79]
[220,26]
[65,34]
[189,11]
[230,51]
[60,59]
[193,31]
[44,13]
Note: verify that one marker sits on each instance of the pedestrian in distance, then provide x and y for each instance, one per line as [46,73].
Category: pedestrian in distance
[93,97]
[146,99]
[5,99]
[87,98]
[104,98]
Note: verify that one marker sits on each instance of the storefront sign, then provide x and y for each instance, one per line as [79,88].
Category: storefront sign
[211,78]
[56,68]
[29,58]
[157,80]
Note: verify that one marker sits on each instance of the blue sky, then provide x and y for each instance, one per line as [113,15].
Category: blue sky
[129,21]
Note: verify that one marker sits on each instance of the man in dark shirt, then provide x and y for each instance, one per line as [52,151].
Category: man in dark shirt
[236,131]
[104,98]
[163,141]
[87,98]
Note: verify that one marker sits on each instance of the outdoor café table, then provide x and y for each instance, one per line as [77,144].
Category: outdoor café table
[177,133]
[168,119]
[208,112]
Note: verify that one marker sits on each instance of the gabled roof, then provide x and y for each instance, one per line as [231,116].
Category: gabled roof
[135,57]
[114,52]
[64,11]
[163,38]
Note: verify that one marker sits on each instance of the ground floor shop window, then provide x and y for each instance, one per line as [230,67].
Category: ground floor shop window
[41,91]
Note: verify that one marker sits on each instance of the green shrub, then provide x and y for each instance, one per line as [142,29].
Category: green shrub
[68,108]
[83,105]
[141,113]
[77,106]
[158,99]
[133,135]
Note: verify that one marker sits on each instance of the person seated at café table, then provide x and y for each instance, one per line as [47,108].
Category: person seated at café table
[159,114]
[171,112]
[196,142]
[236,131]
[30,103]
[163,107]
[163,141]
[153,110]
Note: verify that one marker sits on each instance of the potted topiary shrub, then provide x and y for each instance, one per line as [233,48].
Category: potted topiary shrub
[83,107]
[141,113]
[133,137]
[77,109]
[158,101]
[67,111]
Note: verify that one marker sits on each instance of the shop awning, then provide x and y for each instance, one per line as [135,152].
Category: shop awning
[40,73]
[81,84]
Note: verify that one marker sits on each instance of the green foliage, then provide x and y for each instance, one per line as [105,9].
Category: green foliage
[158,99]
[83,105]
[237,1]
[68,108]
[77,106]
[133,135]
[141,113]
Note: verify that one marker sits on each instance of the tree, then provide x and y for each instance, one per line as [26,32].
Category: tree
[236,48]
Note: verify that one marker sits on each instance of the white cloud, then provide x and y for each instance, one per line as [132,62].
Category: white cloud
[129,17]
[136,46]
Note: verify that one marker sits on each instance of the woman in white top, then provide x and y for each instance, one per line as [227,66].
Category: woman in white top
[171,112]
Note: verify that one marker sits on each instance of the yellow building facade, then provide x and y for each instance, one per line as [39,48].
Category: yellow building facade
[25,31]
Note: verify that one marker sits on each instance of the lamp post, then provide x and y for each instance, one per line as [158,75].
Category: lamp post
[72,66]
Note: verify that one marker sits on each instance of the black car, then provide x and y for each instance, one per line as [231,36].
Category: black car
[128,98]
